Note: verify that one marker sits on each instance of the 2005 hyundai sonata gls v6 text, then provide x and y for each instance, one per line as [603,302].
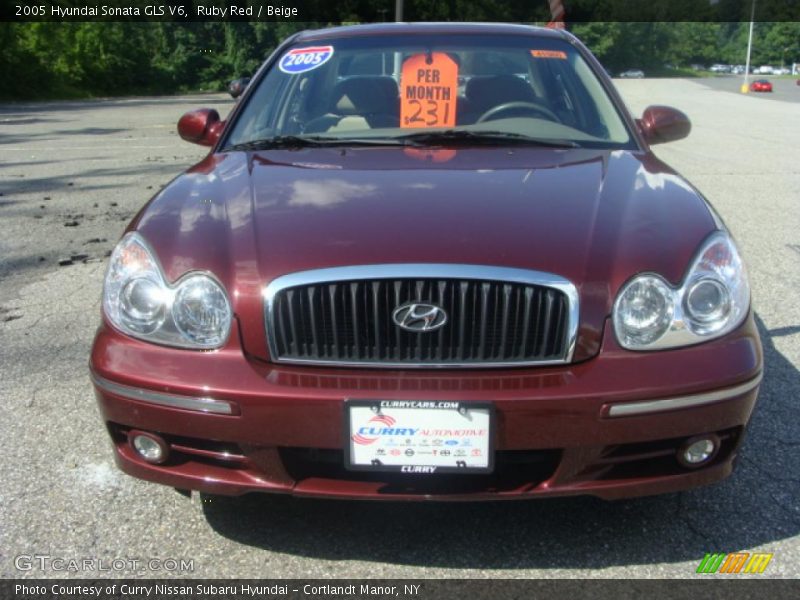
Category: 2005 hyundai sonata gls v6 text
[428,262]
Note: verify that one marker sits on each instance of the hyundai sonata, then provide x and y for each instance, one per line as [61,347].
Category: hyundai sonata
[428,261]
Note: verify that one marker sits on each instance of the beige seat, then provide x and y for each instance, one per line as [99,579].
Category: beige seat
[361,102]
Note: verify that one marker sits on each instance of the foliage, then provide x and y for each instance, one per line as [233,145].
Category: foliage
[73,59]
[651,46]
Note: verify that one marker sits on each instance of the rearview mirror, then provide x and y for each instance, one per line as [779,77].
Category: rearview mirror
[661,124]
[201,126]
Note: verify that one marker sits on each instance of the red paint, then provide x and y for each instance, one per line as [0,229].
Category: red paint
[595,217]
[201,126]
[662,124]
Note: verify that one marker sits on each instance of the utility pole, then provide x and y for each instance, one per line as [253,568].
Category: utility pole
[746,84]
[398,17]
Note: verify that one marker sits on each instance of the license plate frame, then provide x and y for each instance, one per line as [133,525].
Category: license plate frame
[422,460]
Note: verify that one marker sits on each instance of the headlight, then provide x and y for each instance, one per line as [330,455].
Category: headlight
[645,310]
[192,313]
[201,311]
[713,299]
[142,305]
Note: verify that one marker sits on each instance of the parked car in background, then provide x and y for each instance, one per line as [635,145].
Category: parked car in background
[237,87]
[382,284]
[632,74]
[764,70]
[761,85]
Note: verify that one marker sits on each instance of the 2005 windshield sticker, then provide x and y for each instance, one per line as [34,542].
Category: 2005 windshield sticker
[428,90]
[301,60]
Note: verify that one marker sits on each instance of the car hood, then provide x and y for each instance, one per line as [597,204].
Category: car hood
[594,217]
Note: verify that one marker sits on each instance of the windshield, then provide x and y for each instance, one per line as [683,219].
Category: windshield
[429,90]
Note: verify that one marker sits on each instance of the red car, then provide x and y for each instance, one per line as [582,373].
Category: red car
[428,261]
[761,85]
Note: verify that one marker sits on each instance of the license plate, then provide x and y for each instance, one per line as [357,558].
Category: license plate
[419,437]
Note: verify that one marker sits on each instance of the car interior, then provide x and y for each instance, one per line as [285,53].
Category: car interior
[360,102]
[491,87]
[360,92]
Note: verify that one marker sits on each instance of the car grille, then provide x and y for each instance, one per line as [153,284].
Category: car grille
[488,323]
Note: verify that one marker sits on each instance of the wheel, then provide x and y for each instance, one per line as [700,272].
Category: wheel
[492,113]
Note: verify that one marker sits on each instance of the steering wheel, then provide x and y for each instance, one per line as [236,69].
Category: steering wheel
[492,113]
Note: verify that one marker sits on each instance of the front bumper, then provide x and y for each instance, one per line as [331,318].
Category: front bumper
[608,427]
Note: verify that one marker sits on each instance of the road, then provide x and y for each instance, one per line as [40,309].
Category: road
[74,173]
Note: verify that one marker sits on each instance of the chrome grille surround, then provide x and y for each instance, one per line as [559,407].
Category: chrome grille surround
[421,271]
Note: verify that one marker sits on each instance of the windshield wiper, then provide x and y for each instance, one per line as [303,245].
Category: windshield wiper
[493,138]
[310,141]
[424,138]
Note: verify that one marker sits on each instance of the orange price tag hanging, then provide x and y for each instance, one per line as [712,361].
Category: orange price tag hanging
[428,90]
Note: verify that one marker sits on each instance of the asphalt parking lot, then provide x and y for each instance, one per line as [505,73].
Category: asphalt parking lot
[74,173]
[784,89]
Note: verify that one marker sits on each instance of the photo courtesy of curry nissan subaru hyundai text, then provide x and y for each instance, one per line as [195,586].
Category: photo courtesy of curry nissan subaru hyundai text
[428,261]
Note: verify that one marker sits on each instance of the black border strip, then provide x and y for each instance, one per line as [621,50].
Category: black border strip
[705,587]
[373,11]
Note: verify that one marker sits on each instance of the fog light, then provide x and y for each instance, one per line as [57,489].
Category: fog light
[150,447]
[698,451]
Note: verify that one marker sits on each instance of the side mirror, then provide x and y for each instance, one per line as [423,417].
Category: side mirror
[661,124]
[201,126]
[237,87]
